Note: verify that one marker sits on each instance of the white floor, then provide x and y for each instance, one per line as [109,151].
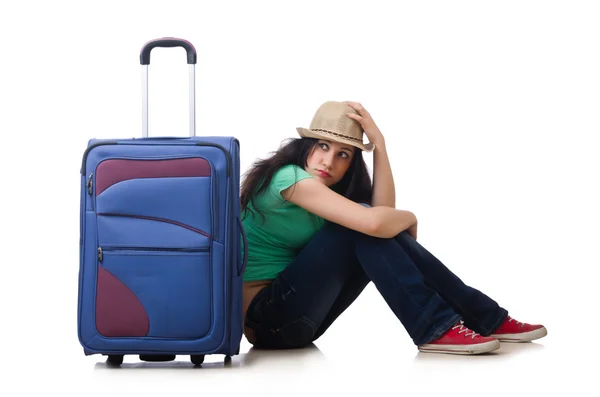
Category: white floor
[351,357]
[326,368]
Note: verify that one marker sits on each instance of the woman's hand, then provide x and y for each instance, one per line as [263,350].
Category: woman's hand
[366,121]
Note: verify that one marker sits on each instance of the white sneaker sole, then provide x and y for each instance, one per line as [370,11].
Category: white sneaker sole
[461,349]
[522,337]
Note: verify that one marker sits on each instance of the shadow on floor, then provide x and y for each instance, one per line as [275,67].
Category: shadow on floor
[253,358]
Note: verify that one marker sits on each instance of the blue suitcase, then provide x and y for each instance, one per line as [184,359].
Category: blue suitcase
[161,242]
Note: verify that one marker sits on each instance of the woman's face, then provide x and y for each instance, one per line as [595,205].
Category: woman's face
[329,161]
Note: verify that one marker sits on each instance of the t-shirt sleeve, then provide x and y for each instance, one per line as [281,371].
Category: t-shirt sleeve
[285,177]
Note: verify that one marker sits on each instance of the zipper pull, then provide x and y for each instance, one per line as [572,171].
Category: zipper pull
[88,184]
[100,254]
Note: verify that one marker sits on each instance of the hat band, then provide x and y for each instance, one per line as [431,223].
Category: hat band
[338,135]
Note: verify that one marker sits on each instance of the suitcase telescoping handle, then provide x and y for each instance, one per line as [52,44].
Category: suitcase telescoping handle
[145,61]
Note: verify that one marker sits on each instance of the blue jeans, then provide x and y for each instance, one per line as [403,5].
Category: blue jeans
[335,267]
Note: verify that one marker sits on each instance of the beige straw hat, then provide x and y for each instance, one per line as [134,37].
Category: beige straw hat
[331,122]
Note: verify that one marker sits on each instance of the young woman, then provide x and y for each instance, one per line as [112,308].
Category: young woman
[319,231]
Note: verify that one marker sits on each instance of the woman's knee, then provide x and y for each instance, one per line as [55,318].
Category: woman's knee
[338,230]
[405,239]
[350,235]
[405,236]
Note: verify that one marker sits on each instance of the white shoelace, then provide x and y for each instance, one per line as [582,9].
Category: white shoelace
[518,322]
[470,333]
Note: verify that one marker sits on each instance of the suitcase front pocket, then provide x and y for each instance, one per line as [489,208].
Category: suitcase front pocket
[153,292]
[180,191]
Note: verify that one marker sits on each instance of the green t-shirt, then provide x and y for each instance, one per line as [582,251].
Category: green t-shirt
[275,240]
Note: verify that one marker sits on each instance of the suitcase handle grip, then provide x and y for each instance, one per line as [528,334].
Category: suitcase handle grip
[167,42]
[245,261]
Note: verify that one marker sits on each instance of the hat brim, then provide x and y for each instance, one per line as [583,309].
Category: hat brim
[306,133]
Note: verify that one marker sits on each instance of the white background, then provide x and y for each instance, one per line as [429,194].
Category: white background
[490,113]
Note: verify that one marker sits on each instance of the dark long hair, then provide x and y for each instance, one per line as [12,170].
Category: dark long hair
[356,184]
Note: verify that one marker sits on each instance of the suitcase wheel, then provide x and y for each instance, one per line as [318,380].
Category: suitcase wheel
[157,357]
[114,360]
[197,359]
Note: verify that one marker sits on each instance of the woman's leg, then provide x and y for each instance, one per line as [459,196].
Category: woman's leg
[352,289]
[307,295]
[297,307]
[479,312]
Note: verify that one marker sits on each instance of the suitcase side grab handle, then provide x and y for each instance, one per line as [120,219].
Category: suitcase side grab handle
[245,261]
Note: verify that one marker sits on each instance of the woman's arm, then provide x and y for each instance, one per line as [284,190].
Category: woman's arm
[384,191]
[413,231]
[315,197]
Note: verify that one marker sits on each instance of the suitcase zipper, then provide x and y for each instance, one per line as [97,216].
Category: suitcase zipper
[158,220]
[89,185]
[85,154]
[157,249]
[227,155]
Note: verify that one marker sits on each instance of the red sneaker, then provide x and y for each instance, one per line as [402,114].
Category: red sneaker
[461,340]
[512,330]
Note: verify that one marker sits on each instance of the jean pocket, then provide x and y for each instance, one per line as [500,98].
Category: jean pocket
[298,333]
